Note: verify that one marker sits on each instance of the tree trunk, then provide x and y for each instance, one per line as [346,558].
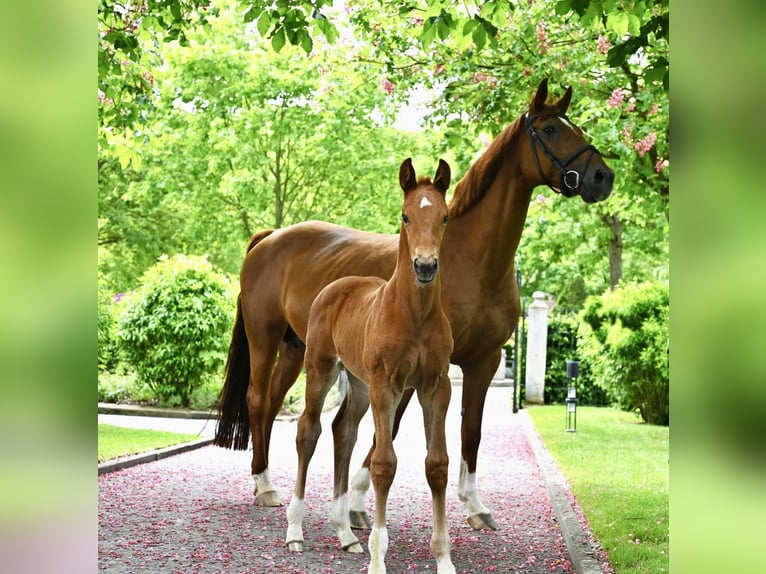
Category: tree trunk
[614,223]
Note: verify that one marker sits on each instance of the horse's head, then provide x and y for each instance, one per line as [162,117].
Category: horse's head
[424,217]
[564,160]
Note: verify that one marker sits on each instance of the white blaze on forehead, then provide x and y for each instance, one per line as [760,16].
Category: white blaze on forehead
[424,202]
[566,123]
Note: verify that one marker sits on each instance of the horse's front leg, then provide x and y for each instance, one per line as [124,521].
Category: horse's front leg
[382,471]
[477,377]
[437,463]
[345,427]
[360,483]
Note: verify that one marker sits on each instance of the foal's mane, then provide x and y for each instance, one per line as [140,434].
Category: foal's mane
[424,180]
[475,183]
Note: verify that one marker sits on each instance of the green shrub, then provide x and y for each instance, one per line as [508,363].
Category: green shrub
[108,356]
[174,329]
[562,347]
[625,337]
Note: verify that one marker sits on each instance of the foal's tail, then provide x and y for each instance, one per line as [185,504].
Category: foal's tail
[233,430]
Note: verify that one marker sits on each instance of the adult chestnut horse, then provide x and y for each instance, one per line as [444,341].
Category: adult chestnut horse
[393,335]
[285,269]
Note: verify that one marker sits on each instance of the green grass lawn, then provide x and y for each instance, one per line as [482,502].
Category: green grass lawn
[619,473]
[114,442]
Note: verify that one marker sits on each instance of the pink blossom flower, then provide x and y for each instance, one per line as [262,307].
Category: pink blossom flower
[661,165]
[540,199]
[654,109]
[603,45]
[631,105]
[644,145]
[387,86]
[627,133]
[543,44]
[615,100]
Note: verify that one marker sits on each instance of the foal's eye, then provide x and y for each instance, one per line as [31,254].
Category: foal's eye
[405,219]
[445,219]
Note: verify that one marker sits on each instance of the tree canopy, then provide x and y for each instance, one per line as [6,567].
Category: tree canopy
[218,118]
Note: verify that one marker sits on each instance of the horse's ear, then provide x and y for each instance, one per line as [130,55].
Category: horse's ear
[407,177]
[443,176]
[538,100]
[564,101]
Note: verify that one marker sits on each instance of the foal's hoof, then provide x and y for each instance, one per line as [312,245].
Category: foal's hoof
[295,545]
[483,521]
[270,498]
[359,520]
[353,548]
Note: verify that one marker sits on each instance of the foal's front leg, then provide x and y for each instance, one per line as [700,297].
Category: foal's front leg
[382,471]
[437,462]
[318,383]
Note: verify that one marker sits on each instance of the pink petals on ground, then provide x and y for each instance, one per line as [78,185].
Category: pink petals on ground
[194,512]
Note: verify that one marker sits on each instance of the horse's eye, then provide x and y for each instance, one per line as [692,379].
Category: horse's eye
[405,219]
[549,130]
[445,219]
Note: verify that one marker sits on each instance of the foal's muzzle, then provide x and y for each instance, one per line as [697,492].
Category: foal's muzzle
[425,271]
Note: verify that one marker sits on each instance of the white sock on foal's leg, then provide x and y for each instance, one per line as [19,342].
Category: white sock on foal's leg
[296,511]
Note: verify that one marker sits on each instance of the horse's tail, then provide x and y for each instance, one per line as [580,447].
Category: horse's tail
[233,430]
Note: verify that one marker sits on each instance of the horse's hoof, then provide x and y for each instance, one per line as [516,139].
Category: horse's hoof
[295,545]
[270,498]
[359,520]
[353,548]
[483,521]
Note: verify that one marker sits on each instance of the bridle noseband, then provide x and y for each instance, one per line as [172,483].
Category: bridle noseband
[568,188]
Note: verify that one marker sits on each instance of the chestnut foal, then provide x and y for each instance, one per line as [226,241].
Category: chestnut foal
[394,335]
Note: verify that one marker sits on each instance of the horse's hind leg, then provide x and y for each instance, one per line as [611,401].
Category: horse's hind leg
[345,427]
[476,381]
[434,413]
[258,405]
[286,371]
[360,483]
[319,378]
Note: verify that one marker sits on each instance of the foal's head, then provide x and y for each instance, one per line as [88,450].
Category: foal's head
[424,217]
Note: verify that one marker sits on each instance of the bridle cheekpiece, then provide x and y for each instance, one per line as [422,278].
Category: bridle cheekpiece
[568,187]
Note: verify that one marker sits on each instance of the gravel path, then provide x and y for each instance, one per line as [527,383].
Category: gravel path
[194,512]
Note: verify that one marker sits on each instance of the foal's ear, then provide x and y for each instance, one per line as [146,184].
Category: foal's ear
[407,177]
[563,102]
[443,176]
[538,100]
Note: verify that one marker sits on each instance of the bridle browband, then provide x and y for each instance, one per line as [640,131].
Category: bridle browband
[560,165]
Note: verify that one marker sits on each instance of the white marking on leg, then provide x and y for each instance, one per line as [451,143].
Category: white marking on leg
[360,484]
[378,545]
[339,519]
[440,546]
[467,492]
[424,203]
[263,482]
[295,514]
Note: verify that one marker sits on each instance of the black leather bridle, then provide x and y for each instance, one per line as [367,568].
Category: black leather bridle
[568,188]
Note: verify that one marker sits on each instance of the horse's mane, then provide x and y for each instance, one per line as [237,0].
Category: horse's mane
[424,180]
[475,183]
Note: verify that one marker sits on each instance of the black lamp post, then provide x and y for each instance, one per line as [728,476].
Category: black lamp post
[573,368]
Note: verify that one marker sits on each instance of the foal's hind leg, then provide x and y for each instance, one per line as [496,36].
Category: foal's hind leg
[345,427]
[360,483]
[319,378]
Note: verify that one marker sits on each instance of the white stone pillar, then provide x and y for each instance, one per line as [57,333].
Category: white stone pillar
[537,344]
